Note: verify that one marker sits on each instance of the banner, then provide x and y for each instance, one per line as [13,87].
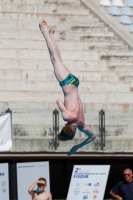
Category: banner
[88,182]
[5,132]
[27,174]
[4,181]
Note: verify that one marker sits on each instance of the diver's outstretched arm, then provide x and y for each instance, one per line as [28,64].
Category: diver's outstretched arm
[91,137]
[78,146]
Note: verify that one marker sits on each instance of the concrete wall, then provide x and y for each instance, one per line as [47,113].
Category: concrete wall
[95,54]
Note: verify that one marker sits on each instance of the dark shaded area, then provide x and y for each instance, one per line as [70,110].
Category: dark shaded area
[61,170]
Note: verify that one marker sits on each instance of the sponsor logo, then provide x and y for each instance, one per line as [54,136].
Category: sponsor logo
[4,190]
[95,197]
[81,176]
[85,197]
[76,190]
[77,184]
[2,143]
[26,166]
[86,191]
[3,183]
[79,173]
[2,174]
[97,184]
[88,184]
[95,191]
[77,169]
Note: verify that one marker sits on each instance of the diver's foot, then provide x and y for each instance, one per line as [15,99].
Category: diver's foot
[44,27]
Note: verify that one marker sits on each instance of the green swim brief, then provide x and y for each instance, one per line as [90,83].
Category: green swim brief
[70,79]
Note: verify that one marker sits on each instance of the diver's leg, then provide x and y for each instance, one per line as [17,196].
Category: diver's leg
[53,39]
[61,72]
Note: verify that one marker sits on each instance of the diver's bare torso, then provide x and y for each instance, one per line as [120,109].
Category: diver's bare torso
[73,111]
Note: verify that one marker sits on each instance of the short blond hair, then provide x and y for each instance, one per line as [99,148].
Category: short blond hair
[67,132]
[42,179]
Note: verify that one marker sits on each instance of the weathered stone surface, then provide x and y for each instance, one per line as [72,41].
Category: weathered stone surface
[102,47]
[38,54]
[50,97]
[36,17]
[43,86]
[79,65]
[71,2]
[93,52]
[119,143]
[48,75]
[19,107]
[45,120]
[112,108]
[84,55]
[43,107]
[128,68]
[60,26]
[113,22]
[42,2]
[64,34]
[49,9]
[30,144]
[70,45]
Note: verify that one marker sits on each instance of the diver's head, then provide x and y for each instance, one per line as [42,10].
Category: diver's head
[67,132]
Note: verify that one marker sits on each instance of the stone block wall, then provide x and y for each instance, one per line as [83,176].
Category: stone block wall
[94,53]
